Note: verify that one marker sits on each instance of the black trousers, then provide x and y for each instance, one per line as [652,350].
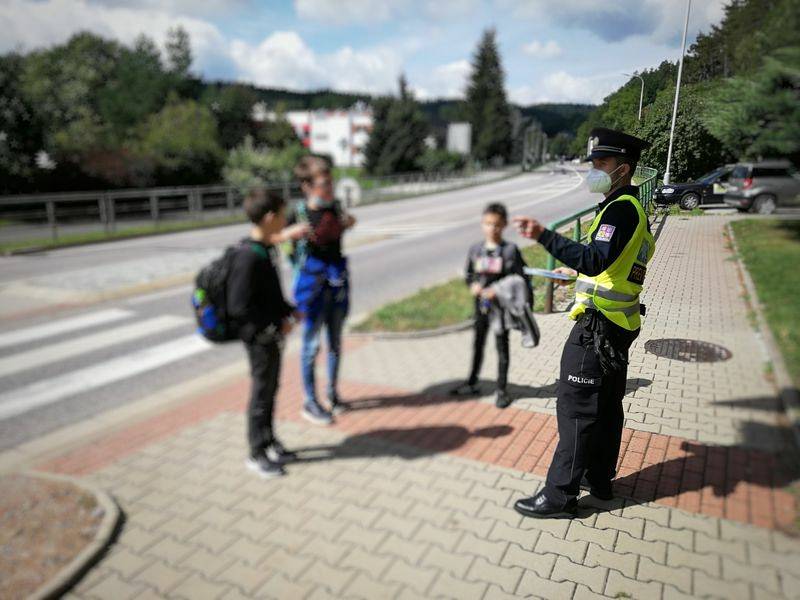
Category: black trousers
[481,331]
[589,414]
[265,368]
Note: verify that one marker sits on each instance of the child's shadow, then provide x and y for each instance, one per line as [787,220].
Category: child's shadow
[440,392]
[403,443]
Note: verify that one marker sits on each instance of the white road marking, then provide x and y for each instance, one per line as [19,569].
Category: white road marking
[83,380]
[83,345]
[39,332]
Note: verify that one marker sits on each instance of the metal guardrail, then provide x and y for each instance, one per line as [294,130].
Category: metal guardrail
[104,209]
[644,177]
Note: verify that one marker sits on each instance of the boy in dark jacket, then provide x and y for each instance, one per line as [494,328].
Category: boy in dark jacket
[488,262]
[263,317]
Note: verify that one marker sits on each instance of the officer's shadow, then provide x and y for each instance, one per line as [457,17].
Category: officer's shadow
[409,444]
[716,469]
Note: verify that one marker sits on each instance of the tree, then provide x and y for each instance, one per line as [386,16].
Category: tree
[695,150]
[560,145]
[179,51]
[137,87]
[232,106]
[760,116]
[487,108]
[20,129]
[181,141]
[398,135]
[248,166]
[278,133]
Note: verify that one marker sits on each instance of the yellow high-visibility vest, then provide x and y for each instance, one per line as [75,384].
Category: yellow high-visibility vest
[615,291]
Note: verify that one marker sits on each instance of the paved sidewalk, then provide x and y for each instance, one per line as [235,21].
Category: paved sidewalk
[410,494]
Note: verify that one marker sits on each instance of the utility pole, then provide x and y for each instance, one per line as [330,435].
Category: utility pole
[641,94]
[677,92]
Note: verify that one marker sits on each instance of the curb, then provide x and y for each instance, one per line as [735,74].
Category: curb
[788,393]
[86,558]
[412,335]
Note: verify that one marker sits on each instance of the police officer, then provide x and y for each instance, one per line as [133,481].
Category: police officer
[610,271]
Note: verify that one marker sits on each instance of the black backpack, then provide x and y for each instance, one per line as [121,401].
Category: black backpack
[210,299]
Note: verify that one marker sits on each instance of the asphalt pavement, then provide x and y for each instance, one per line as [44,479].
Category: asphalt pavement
[63,364]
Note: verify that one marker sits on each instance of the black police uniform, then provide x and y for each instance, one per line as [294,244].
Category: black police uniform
[590,417]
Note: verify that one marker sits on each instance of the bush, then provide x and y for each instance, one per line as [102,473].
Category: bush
[249,166]
[441,160]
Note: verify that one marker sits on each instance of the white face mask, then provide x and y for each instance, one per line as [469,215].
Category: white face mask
[600,181]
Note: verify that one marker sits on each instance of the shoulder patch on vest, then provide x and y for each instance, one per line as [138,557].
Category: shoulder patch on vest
[604,233]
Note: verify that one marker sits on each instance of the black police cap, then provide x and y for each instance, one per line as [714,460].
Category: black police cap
[608,142]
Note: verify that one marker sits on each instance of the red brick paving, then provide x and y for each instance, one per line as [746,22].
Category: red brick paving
[735,483]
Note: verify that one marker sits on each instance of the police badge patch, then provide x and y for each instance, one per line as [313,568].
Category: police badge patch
[604,233]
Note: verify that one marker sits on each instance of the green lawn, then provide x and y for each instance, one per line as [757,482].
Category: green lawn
[771,251]
[120,234]
[445,304]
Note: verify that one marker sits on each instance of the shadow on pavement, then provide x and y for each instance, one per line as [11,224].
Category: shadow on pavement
[402,443]
[440,393]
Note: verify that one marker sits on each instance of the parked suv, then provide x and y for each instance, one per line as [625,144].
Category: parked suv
[708,189]
[761,187]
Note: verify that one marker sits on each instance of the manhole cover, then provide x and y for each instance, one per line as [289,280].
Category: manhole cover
[687,350]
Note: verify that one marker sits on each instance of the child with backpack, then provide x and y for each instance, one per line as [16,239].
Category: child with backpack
[257,310]
[488,262]
[321,285]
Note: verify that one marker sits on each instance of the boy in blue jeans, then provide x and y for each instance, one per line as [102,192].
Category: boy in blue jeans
[321,284]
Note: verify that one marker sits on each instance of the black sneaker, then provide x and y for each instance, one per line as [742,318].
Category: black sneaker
[316,414]
[265,468]
[278,454]
[502,399]
[464,390]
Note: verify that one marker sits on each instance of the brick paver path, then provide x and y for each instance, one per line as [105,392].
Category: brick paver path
[410,494]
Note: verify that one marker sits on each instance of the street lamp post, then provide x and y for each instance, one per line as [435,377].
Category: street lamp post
[641,94]
[677,92]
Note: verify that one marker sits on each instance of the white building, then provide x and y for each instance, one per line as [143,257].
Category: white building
[340,134]
[459,138]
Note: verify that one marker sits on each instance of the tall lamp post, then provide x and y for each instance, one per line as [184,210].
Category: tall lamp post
[677,92]
[641,94]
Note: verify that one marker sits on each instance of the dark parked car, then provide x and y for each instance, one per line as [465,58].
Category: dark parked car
[761,187]
[708,189]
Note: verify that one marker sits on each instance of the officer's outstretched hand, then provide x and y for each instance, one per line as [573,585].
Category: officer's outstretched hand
[565,271]
[528,227]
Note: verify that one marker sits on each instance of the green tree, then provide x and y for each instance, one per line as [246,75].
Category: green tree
[695,150]
[561,144]
[181,141]
[137,87]
[440,160]
[398,135]
[248,166]
[759,116]
[278,133]
[487,108]
[232,106]
[179,51]
[20,129]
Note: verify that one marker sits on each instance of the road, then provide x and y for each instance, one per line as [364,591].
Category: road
[65,365]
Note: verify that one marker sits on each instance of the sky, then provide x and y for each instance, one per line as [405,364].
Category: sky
[552,50]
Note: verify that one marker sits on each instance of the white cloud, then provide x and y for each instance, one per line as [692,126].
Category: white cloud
[560,86]
[32,25]
[445,81]
[347,11]
[284,59]
[549,49]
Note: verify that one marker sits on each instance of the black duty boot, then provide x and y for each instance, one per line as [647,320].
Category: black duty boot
[601,492]
[539,507]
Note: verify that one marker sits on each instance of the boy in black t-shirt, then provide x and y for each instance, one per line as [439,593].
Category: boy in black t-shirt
[263,317]
[488,262]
